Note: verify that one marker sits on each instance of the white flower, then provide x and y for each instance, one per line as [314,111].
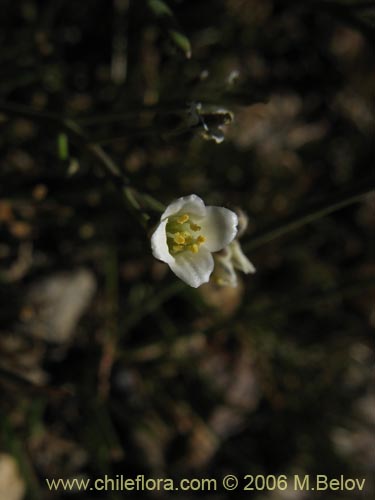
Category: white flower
[188,233]
[232,258]
[228,261]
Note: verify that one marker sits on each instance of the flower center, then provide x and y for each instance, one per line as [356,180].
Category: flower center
[180,234]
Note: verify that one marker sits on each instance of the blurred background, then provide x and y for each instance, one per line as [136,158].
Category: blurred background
[108,363]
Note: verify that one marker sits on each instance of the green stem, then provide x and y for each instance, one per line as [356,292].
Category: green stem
[78,136]
[153,302]
[133,114]
[73,130]
[173,108]
[311,214]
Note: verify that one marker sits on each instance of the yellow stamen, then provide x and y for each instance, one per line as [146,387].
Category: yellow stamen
[182,219]
[179,238]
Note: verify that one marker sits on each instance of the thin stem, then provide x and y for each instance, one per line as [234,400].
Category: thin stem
[174,108]
[163,132]
[153,302]
[74,131]
[94,150]
[166,109]
[311,214]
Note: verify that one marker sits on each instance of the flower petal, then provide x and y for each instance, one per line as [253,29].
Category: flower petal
[224,273]
[219,227]
[193,268]
[159,245]
[239,259]
[190,204]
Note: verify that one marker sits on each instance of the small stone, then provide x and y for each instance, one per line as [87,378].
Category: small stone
[12,486]
[58,302]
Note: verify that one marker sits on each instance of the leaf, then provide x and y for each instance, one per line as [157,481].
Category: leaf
[160,8]
[171,25]
[182,42]
[63,146]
